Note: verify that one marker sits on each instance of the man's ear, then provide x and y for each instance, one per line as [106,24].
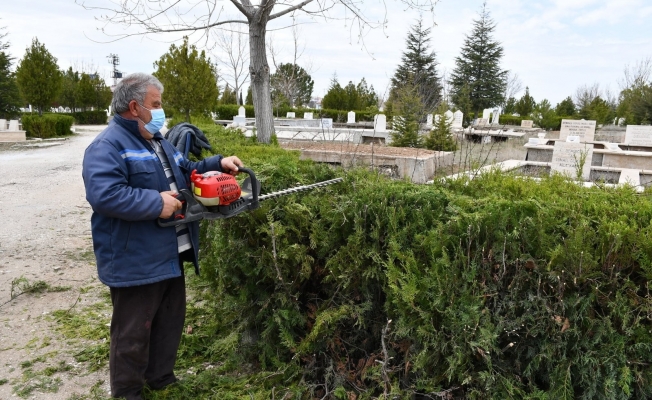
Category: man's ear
[133,108]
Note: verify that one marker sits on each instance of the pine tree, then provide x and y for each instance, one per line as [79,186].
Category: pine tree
[526,104]
[9,95]
[478,66]
[408,109]
[566,108]
[190,80]
[440,137]
[335,98]
[418,68]
[38,76]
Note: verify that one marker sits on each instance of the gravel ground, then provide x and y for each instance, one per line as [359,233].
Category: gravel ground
[45,236]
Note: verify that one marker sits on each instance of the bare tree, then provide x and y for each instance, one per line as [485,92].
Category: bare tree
[513,85]
[234,57]
[290,80]
[585,94]
[143,17]
[638,74]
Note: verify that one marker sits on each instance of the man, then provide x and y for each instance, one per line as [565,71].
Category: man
[132,175]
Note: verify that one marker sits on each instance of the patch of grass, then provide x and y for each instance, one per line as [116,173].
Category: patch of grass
[96,393]
[42,381]
[91,326]
[85,255]
[22,285]
[3,381]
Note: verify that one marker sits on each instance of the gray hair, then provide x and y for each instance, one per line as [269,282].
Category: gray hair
[133,87]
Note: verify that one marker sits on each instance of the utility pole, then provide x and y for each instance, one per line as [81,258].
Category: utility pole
[115,61]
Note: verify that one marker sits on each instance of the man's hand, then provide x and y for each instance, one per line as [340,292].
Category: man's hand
[230,165]
[170,204]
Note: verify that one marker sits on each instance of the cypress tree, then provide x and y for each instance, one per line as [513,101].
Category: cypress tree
[418,68]
[479,66]
[38,76]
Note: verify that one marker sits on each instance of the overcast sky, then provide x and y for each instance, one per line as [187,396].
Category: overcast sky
[553,45]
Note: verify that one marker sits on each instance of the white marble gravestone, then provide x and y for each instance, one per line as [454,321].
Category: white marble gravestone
[584,129]
[242,112]
[350,117]
[3,124]
[436,119]
[239,120]
[289,115]
[526,123]
[380,123]
[429,121]
[486,113]
[458,119]
[327,123]
[568,158]
[13,125]
[638,135]
[307,115]
[495,118]
[481,122]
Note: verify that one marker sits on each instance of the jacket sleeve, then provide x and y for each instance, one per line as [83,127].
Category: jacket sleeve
[106,180]
[208,164]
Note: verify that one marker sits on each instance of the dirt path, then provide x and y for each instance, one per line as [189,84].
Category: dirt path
[44,238]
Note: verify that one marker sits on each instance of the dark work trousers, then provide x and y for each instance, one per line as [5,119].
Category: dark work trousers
[146,330]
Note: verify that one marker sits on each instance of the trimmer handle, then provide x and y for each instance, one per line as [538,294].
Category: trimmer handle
[191,211]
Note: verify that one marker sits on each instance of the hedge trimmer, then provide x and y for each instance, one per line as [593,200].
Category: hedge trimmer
[216,195]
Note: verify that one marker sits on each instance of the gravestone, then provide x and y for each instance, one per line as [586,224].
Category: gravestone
[3,124]
[495,118]
[242,112]
[449,116]
[327,123]
[429,121]
[307,115]
[567,159]
[584,129]
[13,125]
[289,115]
[239,120]
[526,123]
[621,121]
[437,118]
[481,122]
[486,113]
[458,119]
[638,135]
[380,123]
[350,117]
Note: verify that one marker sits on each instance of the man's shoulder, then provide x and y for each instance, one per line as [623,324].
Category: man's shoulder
[115,136]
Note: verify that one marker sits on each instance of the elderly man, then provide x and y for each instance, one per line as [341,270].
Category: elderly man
[131,174]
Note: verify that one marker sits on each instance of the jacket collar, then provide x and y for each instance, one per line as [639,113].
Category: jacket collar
[132,126]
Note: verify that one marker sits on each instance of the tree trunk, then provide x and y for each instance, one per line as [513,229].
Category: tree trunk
[260,79]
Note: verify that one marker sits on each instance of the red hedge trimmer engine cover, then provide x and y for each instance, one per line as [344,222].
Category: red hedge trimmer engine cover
[214,188]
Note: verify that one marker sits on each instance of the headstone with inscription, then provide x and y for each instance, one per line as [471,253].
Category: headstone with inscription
[307,115]
[584,129]
[495,117]
[327,123]
[351,117]
[290,114]
[242,112]
[458,119]
[526,123]
[481,122]
[571,158]
[380,123]
[638,135]
[429,121]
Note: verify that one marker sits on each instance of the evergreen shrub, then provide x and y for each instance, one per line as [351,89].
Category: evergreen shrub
[498,287]
[47,125]
[510,120]
[97,117]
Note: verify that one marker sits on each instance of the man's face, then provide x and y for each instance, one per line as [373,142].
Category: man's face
[152,100]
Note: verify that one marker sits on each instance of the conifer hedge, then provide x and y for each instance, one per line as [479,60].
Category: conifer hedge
[496,288]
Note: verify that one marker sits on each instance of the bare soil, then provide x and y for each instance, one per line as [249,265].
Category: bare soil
[44,237]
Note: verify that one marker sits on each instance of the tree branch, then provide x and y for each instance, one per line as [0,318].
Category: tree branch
[289,10]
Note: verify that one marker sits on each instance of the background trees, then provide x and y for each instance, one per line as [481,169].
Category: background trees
[351,97]
[189,78]
[38,76]
[477,77]
[418,69]
[291,84]
[9,95]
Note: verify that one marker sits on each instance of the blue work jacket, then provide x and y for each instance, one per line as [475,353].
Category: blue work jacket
[123,178]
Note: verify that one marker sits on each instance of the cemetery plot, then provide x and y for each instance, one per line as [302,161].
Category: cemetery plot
[568,158]
[584,129]
[638,135]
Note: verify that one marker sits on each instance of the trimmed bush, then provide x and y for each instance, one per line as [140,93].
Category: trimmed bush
[90,117]
[510,120]
[47,126]
[499,287]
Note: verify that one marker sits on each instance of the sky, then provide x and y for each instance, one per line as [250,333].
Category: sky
[554,46]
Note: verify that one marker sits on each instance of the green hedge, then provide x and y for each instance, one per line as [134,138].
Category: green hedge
[497,288]
[229,110]
[47,126]
[510,120]
[98,117]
